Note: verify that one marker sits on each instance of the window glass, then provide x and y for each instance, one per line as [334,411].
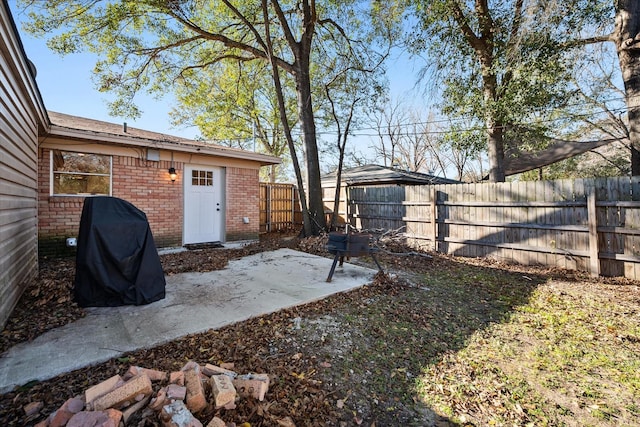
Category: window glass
[81,173]
[202,178]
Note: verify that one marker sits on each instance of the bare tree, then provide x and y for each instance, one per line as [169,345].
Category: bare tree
[389,120]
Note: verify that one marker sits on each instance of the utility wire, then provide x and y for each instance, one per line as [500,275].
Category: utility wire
[360,131]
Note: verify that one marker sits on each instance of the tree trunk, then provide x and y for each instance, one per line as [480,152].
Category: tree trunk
[314,186]
[336,196]
[495,139]
[306,222]
[495,132]
[627,42]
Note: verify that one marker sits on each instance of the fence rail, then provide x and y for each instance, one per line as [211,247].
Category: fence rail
[583,224]
[279,207]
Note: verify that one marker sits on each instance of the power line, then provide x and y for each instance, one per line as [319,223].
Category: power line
[360,131]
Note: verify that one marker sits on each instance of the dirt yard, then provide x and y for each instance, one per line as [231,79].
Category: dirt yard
[436,341]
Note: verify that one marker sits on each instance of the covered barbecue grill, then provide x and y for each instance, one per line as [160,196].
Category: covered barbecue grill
[350,245]
[117,262]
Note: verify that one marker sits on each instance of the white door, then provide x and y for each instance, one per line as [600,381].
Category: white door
[203,204]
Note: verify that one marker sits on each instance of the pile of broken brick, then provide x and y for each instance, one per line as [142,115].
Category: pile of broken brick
[120,399]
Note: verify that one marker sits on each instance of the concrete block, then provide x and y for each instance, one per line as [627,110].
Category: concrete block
[176,414]
[130,392]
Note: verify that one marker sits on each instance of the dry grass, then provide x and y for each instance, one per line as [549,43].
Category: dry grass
[442,341]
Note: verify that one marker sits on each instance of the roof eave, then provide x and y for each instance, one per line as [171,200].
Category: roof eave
[79,134]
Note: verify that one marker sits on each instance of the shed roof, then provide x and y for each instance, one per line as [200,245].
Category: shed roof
[81,128]
[382,175]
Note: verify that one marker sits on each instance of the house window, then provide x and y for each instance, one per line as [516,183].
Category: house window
[80,173]
[203,178]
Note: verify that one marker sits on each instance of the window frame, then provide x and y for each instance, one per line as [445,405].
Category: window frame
[205,180]
[52,173]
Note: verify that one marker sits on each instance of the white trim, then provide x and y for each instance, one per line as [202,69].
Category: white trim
[220,193]
[217,150]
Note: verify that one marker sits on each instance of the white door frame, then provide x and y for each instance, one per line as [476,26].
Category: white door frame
[204,204]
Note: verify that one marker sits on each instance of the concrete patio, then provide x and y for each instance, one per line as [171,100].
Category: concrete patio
[195,302]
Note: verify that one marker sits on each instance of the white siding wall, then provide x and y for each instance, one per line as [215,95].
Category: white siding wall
[20,112]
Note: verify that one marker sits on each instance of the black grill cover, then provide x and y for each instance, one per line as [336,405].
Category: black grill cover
[117,262]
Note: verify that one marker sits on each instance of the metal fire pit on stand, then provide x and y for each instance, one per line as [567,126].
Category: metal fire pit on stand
[349,245]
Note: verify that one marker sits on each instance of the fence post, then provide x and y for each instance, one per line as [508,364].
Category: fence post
[594,261]
[293,206]
[268,213]
[434,223]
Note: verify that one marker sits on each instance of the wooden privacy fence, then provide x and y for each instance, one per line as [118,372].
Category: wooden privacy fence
[279,207]
[583,224]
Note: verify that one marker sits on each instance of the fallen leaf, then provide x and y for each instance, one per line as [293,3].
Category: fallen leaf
[286,422]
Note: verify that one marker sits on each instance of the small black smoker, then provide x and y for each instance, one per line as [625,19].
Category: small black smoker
[349,245]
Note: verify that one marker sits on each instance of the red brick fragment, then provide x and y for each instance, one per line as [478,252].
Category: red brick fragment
[129,411]
[130,392]
[103,388]
[176,392]
[108,418]
[153,374]
[160,400]
[252,385]
[32,408]
[223,390]
[68,409]
[195,399]
[210,370]
[216,422]
[176,378]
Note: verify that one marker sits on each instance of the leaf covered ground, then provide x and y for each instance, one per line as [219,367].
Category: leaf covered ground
[435,341]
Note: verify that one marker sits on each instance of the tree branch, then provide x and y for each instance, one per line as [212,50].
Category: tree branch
[230,43]
[461,19]
[286,29]
[587,41]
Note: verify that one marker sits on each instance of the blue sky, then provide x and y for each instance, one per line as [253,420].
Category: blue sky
[66,85]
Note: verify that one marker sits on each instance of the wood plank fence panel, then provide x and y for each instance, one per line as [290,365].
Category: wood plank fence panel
[536,222]
[632,222]
[279,207]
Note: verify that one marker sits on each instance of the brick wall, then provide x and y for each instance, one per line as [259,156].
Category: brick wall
[243,201]
[146,185]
